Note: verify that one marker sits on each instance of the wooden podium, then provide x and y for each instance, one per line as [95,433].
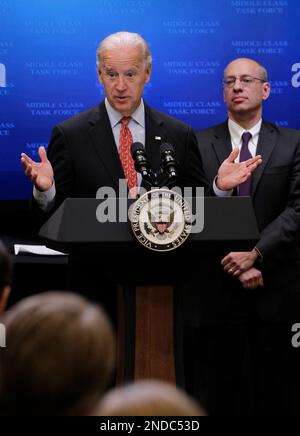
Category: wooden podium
[145,278]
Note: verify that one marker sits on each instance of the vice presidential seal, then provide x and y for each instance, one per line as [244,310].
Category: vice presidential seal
[161,220]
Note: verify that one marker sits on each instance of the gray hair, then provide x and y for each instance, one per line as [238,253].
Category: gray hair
[263,70]
[122,39]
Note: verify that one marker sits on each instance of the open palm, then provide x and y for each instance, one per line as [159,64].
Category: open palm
[232,174]
[40,173]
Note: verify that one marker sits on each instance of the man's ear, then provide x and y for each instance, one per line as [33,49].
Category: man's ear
[99,72]
[148,73]
[266,90]
[4,298]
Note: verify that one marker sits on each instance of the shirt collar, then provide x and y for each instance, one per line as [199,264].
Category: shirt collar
[236,131]
[115,117]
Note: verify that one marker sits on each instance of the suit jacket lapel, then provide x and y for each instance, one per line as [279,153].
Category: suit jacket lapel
[266,142]
[104,143]
[222,142]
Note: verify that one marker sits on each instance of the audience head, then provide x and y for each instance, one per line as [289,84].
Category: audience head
[5,276]
[148,398]
[59,356]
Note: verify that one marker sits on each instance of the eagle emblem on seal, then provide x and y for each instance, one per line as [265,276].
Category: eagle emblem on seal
[161,223]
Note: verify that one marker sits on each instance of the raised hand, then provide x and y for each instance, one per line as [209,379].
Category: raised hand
[40,173]
[232,174]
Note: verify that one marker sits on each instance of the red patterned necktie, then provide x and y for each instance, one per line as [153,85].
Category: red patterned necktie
[126,159]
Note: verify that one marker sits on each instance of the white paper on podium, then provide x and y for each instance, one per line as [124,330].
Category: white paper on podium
[37,249]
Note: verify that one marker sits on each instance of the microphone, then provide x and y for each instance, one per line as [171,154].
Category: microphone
[141,163]
[168,160]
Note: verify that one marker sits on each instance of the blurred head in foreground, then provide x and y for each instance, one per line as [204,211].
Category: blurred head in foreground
[148,398]
[59,356]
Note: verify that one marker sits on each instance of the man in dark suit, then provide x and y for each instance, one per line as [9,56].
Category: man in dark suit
[85,151]
[256,296]
[92,150]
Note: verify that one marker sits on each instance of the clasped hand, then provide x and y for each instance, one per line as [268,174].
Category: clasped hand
[240,265]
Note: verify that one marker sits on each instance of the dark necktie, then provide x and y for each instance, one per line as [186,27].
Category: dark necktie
[245,188]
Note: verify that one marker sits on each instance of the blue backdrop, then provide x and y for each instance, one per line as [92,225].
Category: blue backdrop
[48,73]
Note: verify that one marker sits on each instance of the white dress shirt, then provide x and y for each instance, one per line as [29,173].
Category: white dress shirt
[236,133]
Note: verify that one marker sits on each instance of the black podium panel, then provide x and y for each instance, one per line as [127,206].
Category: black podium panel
[147,278]
[229,225]
[74,226]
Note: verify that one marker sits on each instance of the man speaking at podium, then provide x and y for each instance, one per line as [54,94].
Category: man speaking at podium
[92,149]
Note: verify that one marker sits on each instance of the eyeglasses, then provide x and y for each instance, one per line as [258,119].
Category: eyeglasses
[245,81]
